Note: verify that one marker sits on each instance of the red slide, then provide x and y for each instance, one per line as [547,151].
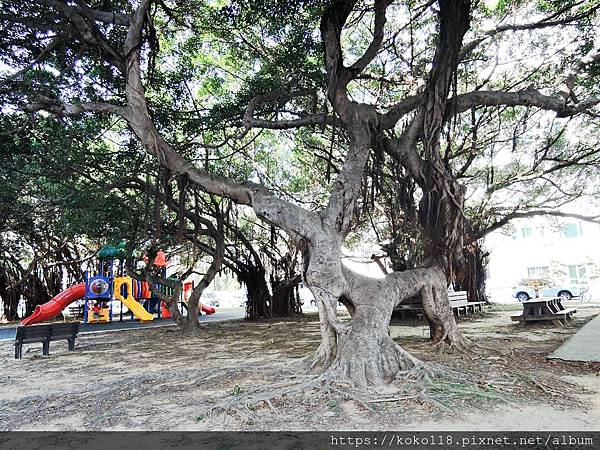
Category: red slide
[53,308]
[207,309]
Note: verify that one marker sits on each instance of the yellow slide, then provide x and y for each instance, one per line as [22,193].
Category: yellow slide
[131,303]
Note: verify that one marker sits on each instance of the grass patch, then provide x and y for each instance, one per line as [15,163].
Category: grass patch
[504,307]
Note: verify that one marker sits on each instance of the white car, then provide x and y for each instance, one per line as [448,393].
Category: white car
[240,298]
[210,299]
[524,293]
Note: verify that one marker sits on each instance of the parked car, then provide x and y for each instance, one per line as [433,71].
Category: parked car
[240,298]
[210,299]
[306,295]
[524,293]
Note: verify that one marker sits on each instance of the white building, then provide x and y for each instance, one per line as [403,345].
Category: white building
[564,251]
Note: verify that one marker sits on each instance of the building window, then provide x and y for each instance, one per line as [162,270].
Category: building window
[571,230]
[577,274]
[537,271]
[526,232]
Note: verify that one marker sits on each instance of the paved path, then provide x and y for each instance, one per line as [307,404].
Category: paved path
[8,332]
[583,346]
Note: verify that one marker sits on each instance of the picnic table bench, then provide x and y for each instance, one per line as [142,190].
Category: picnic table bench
[44,334]
[544,309]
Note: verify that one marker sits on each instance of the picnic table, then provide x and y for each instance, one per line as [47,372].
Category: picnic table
[544,309]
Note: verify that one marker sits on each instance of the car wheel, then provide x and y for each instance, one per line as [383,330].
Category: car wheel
[522,296]
[565,295]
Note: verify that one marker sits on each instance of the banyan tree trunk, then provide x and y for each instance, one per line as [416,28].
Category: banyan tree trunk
[471,276]
[285,299]
[35,293]
[10,301]
[258,305]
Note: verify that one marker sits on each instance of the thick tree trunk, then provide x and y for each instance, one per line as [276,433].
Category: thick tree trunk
[471,276]
[362,351]
[365,353]
[258,304]
[284,300]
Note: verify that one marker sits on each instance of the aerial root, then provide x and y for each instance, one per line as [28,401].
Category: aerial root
[320,358]
[458,344]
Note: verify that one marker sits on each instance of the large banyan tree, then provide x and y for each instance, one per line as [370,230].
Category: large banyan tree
[390,81]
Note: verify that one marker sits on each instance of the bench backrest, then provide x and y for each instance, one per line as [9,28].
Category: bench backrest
[62,329]
[456,303]
[457,295]
[33,331]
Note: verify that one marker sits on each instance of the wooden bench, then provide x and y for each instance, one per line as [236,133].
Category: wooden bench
[550,309]
[412,305]
[44,334]
[458,303]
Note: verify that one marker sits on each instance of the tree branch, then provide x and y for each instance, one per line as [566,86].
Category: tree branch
[546,22]
[313,119]
[371,51]
[65,109]
[88,31]
[526,97]
[533,213]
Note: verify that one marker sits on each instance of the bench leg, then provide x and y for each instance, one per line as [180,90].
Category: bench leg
[46,348]
[18,350]
[557,323]
[72,344]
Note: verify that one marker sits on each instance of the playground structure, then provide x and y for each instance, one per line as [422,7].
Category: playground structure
[108,284]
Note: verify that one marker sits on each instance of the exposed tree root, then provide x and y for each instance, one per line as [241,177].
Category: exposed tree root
[434,385]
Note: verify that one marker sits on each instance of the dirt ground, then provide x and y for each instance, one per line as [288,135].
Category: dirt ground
[247,376]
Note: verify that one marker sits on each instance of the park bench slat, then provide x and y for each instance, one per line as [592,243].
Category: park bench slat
[33,331]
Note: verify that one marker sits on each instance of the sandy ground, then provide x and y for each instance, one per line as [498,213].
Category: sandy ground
[246,376]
